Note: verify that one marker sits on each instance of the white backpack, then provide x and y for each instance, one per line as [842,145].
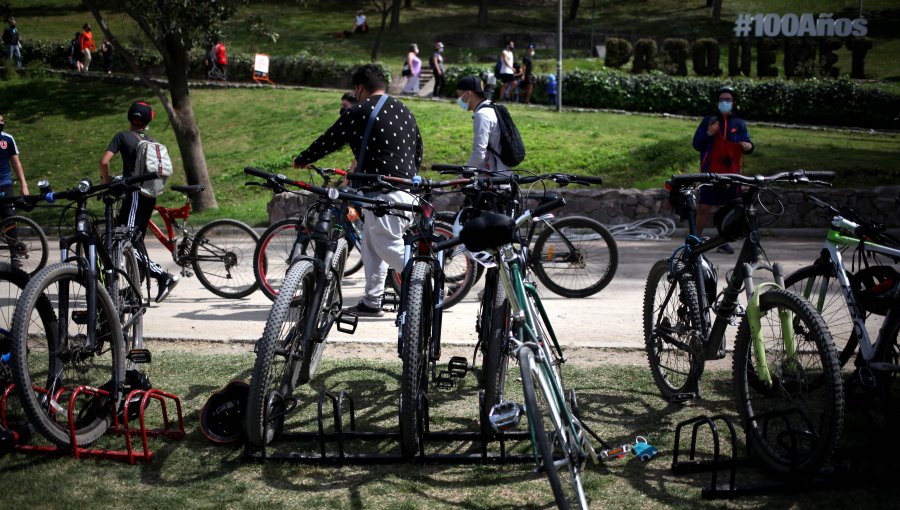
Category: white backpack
[152,157]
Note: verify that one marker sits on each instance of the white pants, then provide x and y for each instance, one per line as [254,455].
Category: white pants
[412,85]
[382,245]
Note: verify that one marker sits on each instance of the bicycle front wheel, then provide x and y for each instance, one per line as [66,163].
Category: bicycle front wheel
[24,242]
[554,441]
[493,334]
[459,270]
[278,355]
[222,258]
[673,332]
[272,255]
[575,257]
[793,409]
[127,296]
[61,357]
[416,339]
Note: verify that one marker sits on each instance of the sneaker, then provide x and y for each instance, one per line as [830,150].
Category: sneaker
[166,286]
[363,310]
[726,249]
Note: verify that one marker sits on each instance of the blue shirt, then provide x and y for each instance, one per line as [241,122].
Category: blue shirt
[8,148]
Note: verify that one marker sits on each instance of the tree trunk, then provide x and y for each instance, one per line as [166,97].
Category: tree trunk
[395,16]
[407,4]
[482,12]
[573,10]
[376,47]
[717,10]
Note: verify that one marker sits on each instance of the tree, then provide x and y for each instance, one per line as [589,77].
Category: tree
[716,10]
[385,8]
[482,12]
[174,27]
[573,10]
[395,15]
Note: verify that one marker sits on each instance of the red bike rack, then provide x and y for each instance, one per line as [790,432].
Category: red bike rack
[169,429]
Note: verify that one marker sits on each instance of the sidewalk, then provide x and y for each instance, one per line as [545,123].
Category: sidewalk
[609,319]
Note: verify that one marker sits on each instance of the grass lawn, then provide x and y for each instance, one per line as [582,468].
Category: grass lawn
[63,127]
[619,402]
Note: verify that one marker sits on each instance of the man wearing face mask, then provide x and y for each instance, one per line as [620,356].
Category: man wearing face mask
[9,163]
[392,146]
[722,140]
[470,96]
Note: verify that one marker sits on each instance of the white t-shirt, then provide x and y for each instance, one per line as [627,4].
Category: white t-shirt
[486,134]
[360,20]
[506,62]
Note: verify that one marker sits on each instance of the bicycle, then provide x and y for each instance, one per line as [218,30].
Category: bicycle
[219,253]
[782,347]
[560,442]
[308,304]
[22,240]
[85,353]
[846,297]
[573,257]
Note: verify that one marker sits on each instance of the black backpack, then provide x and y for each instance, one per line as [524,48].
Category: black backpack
[498,66]
[512,149]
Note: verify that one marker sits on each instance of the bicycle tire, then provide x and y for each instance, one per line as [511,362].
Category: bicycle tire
[221,256]
[278,354]
[416,339]
[493,329]
[42,358]
[674,366]
[798,441]
[354,260]
[127,298]
[819,285]
[314,345]
[12,282]
[459,270]
[271,256]
[583,273]
[537,412]
[30,244]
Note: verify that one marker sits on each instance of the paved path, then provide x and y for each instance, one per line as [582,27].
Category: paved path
[610,319]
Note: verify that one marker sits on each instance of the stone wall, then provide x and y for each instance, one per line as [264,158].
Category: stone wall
[615,206]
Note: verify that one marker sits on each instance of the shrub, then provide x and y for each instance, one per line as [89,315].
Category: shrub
[618,52]
[739,56]
[859,46]
[676,52]
[765,57]
[705,54]
[644,56]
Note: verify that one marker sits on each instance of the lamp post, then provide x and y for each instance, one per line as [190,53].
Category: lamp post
[559,57]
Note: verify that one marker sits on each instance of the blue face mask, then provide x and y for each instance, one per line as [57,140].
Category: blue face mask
[462,104]
[725,106]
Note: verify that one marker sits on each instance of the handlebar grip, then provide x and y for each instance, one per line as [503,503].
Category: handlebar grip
[249,170]
[441,167]
[682,180]
[340,172]
[589,179]
[134,179]
[821,175]
[543,209]
[356,176]
[449,243]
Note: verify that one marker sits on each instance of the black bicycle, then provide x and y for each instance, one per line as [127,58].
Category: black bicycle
[22,241]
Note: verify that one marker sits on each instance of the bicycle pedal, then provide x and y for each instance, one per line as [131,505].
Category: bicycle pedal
[505,416]
[187,274]
[139,356]
[683,397]
[390,302]
[444,381]
[457,367]
[80,317]
[346,322]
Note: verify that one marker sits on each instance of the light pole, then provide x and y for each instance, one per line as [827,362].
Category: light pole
[559,57]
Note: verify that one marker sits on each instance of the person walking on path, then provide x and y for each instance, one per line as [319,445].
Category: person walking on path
[393,147]
[87,46]
[528,77]
[13,43]
[10,165]
[107,50]
[722,140]
[436,62]
[507,71]
[470,96]
[415,68]
[136,207]
[221,57]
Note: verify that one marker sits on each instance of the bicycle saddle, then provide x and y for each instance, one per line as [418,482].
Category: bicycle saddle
[489,230]
[189,190]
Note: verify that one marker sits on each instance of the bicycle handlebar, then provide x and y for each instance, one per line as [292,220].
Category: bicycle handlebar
[86,189]
[797,176]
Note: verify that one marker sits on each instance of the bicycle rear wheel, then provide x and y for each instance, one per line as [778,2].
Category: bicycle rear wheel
[416,339]
[332,300]
[57,358]
[553,439]
[673,332]
[278,355]
[222,258]
[794,422]
[575,257]
[125,292]
[24,242]
[272,255]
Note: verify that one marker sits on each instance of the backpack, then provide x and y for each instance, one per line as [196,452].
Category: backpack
[512,149]
[498,66]
[152,157]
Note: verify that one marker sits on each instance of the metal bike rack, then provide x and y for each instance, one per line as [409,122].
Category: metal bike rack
[171,428]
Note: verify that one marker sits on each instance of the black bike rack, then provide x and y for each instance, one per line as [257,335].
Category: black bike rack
[327,438]
[838,475]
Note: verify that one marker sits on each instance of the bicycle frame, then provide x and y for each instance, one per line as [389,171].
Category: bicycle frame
[169,215]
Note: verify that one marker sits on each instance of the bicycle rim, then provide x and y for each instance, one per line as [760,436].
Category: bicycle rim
[222,256]
[553,440]
[575,257]
[24,240]
[794,423]
[672,332]
[416,338]
[271,257]
[459,270]
[56,357]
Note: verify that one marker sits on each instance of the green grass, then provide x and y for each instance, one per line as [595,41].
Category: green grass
[62,140]
[618,402]
[311,26]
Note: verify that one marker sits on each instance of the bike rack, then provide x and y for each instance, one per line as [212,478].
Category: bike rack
[838,475]
[144,397]
[338,435]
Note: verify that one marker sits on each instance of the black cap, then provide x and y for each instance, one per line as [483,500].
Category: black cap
[531,45]
[472,83]
[140,113]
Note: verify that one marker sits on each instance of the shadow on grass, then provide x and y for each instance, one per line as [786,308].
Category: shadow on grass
[36,98]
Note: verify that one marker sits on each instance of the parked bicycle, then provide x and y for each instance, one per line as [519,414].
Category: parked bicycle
[786,372]
[220,253]
[22,241]
[94,294]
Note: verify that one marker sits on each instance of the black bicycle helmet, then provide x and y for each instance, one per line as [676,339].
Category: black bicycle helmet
[222,417]
[873,288]
[731,220]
